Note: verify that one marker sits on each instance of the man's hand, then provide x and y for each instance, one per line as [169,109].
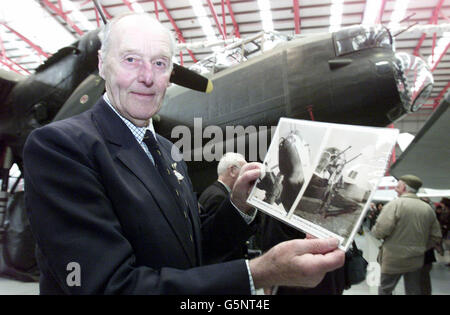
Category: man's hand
[301,263]
[243,185]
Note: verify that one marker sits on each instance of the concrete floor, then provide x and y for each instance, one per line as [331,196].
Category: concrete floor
[13,287]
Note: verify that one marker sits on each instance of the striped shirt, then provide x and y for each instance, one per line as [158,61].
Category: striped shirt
[138,132]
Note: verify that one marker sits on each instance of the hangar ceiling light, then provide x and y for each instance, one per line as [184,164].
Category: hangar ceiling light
[203,20]
[76,16]
[398,14]
[12,13]
[371,12]
[336,10]
[266,15]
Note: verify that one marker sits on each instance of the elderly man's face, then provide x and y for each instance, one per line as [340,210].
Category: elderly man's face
[137,68]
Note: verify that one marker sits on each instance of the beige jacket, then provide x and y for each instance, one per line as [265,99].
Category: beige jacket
[408,227]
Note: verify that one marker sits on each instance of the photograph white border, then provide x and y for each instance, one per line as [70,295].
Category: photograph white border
[373,147]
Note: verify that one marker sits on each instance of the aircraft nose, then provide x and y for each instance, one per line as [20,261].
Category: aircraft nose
[288,155]
[414,80]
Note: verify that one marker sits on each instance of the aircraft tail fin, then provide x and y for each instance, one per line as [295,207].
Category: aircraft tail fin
[427,155]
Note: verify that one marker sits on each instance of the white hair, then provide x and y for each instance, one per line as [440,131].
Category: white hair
[105,33]
[409,189]
[229,159]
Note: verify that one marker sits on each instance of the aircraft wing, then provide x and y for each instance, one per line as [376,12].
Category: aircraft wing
[428,155]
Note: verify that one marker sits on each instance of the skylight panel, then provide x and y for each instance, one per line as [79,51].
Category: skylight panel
[266,15]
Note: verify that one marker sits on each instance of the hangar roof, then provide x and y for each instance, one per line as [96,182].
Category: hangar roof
[32,30]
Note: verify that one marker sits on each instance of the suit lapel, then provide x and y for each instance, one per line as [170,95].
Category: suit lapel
[129,152]
[191,201]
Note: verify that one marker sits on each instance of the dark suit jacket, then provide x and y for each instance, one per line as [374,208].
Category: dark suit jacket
[212,197]
[211,201]
[95,198]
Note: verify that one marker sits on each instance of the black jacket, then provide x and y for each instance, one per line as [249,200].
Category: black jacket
[94,198]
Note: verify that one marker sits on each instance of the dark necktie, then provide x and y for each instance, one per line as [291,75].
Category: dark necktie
[158,158]
[168,177]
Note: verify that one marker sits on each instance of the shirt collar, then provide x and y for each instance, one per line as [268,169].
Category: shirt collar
[409,195]
[138,132]
[226,186]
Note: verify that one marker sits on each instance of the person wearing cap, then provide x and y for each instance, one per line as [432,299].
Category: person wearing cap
[408,228]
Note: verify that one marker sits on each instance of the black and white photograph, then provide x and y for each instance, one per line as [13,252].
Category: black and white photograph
[288,165]
[320,177]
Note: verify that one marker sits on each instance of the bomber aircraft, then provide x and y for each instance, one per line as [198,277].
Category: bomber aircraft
[351,76]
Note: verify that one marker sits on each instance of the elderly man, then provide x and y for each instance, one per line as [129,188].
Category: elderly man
[227,171]
[214,195]
[408,227]
[112,213]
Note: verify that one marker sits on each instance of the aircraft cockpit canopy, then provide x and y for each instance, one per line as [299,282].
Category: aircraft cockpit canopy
[358,37]
[238,52]
[412,75]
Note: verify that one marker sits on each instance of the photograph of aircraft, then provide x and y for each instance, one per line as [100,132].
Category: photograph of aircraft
[327,173]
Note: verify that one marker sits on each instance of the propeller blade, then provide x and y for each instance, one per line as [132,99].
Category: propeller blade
[190,79]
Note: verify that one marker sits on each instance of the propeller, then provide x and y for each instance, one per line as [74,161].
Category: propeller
[190,79]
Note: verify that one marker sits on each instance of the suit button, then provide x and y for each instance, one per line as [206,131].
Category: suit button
[178,194]
[185,214]
[190,236]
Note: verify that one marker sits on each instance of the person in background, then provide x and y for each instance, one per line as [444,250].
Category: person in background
[214,195]
[408,228]
[444,221]
[444,217]
[374,212]
[227,171]
[429,259]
